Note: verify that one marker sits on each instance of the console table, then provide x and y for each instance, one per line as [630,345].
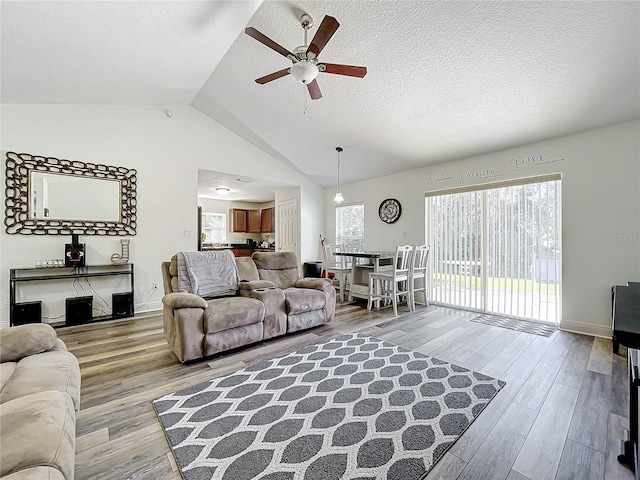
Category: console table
[22,275]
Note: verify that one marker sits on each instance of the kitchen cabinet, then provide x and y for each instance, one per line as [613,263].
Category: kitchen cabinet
[238,220]
[267,220]
[253,221]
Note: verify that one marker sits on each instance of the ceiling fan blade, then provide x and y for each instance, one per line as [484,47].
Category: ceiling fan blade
[272,76]
[325,31]
[262,38]
[314,90]
[349,70]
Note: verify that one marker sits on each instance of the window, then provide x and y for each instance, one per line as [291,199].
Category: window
[350,227]
[214,227]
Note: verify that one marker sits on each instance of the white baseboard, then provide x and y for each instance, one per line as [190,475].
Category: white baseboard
[585,328]
[149,307]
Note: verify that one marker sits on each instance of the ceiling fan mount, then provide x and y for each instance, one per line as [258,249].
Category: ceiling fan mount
[306,21]
[305,64]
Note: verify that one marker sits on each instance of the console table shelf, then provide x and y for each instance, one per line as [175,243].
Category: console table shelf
[21,275]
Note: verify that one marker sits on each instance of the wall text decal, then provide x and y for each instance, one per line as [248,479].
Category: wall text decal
[534,160]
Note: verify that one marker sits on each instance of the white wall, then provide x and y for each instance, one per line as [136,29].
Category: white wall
[600,210]
[167,153]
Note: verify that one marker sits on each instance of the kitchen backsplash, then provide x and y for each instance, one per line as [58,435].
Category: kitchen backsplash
[257,237]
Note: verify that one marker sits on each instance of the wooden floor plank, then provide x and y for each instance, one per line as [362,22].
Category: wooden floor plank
[591,415]
[496,454]
[580,462]
[619,401]
[540,455]
[600,359]
[528,361]
[467,445]
[535,389]
[504,359]
[513,475]
[561,343]
[469,349]
[575,364]
[448,468]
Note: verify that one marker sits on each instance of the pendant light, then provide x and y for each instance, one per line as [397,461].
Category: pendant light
[338,198]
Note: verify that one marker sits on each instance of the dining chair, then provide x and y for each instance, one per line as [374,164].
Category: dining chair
[336,264]
[418,271]
[392,284]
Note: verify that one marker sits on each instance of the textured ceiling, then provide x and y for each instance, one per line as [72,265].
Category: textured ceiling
[445,80]
[242,188]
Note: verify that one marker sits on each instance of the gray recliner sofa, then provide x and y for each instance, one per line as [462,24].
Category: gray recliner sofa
[270,300]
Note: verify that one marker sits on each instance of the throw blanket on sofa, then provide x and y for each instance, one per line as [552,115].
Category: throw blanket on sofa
[208,274]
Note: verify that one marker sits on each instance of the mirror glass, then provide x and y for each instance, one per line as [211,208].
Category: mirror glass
[58,196]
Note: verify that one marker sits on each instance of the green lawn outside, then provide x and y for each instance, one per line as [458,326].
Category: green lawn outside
[512,284]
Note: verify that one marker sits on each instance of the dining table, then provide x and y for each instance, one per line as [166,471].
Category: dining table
[362,264]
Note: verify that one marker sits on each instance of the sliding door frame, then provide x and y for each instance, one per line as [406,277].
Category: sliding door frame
[484,307]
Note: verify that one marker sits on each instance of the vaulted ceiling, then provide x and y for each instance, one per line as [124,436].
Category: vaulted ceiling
[446,80]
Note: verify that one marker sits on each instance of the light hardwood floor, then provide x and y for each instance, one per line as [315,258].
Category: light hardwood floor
[560,416]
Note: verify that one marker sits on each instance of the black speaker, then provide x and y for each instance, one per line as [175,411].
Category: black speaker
[27,312]
[78,310]
[122,305]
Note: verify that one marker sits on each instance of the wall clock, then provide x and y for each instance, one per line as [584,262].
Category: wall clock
[390,210]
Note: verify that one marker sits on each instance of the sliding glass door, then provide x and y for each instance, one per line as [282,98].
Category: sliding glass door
[497,250]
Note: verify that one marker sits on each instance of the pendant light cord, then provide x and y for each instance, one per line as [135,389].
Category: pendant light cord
[338,174]
[338,198]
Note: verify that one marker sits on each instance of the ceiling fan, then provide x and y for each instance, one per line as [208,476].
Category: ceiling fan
[305,65]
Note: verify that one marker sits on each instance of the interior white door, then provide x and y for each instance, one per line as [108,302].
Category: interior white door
[287,235]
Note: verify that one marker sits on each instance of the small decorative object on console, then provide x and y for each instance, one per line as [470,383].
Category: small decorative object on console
[123,257]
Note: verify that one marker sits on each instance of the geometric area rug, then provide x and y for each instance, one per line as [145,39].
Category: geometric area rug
[514,324]
[352,407]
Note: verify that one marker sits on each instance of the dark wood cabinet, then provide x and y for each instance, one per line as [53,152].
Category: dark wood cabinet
[267,220]
[253,221]
[238,220]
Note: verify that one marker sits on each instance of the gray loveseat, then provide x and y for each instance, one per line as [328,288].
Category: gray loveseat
[270,300]
[39,395]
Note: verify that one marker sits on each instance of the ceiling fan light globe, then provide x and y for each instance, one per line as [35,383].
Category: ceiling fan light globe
[304,72]
[338,198]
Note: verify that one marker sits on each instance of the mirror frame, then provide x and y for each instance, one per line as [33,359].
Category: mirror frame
[18,168]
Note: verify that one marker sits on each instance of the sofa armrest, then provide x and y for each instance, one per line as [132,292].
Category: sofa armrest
[184,300]
[315,283]
[255,284]
[24,340]
[275,310]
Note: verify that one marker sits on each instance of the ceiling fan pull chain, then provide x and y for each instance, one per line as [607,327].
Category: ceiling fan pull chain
[304,96]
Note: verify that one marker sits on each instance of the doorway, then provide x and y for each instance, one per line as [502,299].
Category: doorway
[497,248]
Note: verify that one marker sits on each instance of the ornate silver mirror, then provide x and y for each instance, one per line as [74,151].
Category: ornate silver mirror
[51,196]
